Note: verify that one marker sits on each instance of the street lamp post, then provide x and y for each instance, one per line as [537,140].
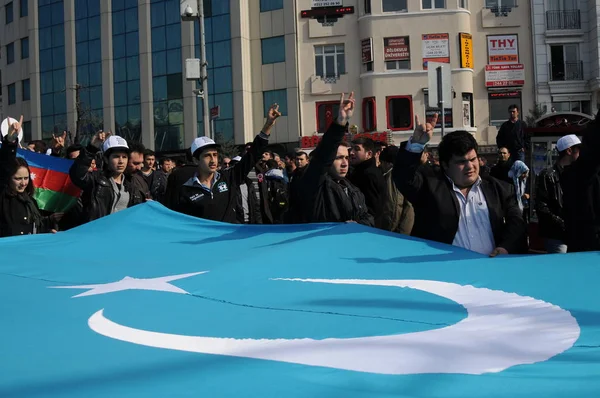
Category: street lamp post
[204,71]
[194,10]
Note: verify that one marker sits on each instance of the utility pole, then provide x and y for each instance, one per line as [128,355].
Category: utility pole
[204,72]
[440,96]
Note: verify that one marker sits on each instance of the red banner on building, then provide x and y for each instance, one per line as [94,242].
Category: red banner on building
[396,49]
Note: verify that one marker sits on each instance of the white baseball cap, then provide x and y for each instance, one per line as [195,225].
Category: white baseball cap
[202,143]
[113,142]
[567,142]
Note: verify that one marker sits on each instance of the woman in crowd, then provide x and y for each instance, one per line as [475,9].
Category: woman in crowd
[105,191]
[519,173]
[19,212]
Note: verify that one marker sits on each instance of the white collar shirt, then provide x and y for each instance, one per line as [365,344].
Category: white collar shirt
[474,227]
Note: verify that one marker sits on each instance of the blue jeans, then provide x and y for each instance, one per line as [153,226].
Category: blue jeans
[554,246]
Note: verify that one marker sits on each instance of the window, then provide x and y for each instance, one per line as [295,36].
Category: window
[499,103]
[467,110]
[430,112]
[25,48]
[433,4]
[394,5]
[27,131]
[12,94]
[167,74]
[25,91]
[53,89]
[500,3]
[126,70]
[23,8]
[89,64]
[330,60]
[273,50]
[399,112]
[367,6]
[572,106]
[397,53]
[275,97]
[220,82]
[10,53]
[326,112]
[369,114]
[565,63]
[270,5]
[8,8]
[463,4]
[560,5]
[367,67]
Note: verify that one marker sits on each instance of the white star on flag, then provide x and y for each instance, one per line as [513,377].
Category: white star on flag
[32,176]
[128,283]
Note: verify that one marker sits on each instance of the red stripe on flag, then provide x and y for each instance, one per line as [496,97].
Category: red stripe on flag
[54,181]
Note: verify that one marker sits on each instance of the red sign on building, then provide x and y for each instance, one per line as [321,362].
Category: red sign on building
[396,48]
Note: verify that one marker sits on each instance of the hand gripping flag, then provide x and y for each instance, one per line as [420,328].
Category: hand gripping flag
[54,190]
[151,303]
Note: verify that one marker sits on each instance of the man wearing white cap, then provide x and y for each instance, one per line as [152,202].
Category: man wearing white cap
[549,195]
[213,194]
[108,191]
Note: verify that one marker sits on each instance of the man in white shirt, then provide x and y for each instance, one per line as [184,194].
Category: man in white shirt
[457,206]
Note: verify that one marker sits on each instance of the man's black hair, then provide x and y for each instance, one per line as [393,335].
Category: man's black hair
[367,143]
[377,147]
[272,164]
[149,152]
[136,147]
[389,154]
[457,143]
[74,148]
[513,106]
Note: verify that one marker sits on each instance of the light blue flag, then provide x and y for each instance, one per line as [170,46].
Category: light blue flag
[151,303]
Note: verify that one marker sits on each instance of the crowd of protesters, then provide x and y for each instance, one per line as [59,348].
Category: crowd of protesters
[456,199]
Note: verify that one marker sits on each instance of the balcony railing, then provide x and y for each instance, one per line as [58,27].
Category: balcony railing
[563,19]
[566,71]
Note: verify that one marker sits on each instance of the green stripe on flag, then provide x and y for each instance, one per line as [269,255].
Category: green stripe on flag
[53,201]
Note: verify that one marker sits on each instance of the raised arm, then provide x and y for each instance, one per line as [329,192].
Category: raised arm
[79,171]
[405,173]
[8,151]
[244,166]
[325,153]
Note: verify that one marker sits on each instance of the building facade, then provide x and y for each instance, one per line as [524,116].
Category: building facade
[567,55]
[118,65]
[381,52]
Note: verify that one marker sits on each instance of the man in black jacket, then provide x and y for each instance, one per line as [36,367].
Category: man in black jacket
[500,170]
[512,135]
[326,194]
[457,206]
[108,191]
[549,195]
[211,194]
[581,189]
[366,175]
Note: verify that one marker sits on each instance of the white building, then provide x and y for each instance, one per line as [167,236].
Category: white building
[567,59]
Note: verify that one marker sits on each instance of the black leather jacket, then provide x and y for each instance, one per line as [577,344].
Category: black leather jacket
[549,203]
[98,195]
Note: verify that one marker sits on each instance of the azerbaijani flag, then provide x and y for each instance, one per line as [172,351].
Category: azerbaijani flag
[54,190]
